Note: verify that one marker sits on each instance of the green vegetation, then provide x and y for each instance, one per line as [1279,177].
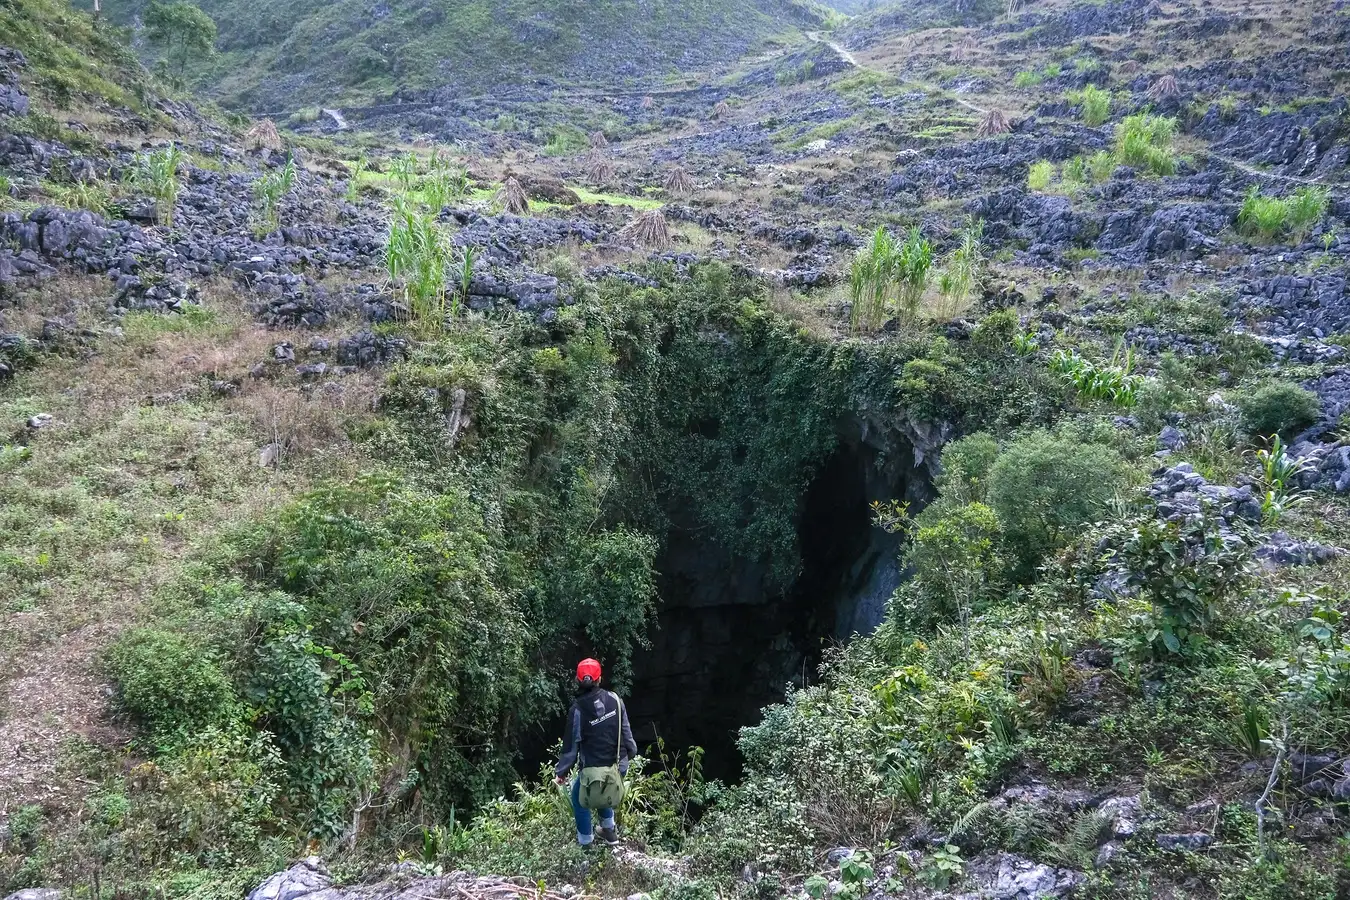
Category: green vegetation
[961,272]
[1145,142]
[182,31]
[1273,217]
[475,45]
[1031,78]
[887,271]
[567,141]
[417,256]
[1040,175]
[155,174]
[1094,104]
[1113,381]
[71,57]
[1278,408]
[269,190]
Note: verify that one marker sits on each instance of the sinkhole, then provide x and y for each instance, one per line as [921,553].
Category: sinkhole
[725,645]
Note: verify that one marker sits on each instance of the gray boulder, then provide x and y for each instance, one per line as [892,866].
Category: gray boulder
[305,877]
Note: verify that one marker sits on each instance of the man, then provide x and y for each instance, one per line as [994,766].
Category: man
[598,735]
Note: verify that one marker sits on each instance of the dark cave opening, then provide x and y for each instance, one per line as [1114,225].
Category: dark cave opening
[725,645]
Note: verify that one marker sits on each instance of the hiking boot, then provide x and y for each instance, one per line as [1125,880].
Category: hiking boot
[609,836]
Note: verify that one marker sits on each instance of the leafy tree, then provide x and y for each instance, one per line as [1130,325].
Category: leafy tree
[965,467]
[182,31]
[1045,487]
[956,560]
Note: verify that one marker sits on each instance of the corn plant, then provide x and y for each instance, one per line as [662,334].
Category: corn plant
[416,258]
[156,174]
[1039,175]
[269,190]
[913,267]
[443,184]
[872,280]
[465,271]
[1272,217]
[1111,381]
[962,270]
[1279,476]
[359,168]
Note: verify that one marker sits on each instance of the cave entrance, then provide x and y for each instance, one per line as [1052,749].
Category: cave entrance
[724,646]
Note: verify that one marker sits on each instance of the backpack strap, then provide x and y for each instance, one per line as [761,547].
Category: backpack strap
[618,748]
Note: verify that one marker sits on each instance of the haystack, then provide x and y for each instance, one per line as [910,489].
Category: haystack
[647,229]
[995,122]
[1164,88]
[678,183]
[263,136]
[513,198]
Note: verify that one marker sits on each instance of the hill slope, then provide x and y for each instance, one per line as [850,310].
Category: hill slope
[284,55]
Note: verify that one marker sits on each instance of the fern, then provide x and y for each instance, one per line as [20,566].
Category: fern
[1078,848]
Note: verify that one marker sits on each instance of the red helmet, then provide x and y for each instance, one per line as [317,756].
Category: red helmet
[588,671]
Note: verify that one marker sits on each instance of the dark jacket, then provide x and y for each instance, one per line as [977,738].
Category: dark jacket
[593,728]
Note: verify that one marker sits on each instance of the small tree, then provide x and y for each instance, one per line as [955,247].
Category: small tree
[182,31]
[956,561]
[1045,487]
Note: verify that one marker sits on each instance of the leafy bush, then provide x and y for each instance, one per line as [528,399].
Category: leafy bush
[956,560]
[1278,407]
[1045,487]
[965,468]
[1186,572]
[171,687]
[1144,141]
[1272,217]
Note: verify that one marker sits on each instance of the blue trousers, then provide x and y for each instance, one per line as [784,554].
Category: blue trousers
[583,816]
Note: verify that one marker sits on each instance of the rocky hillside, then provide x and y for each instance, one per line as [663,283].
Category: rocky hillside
[940,428]
[289,56]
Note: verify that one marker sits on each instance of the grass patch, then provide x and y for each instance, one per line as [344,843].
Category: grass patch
[615,199]
[1270,218]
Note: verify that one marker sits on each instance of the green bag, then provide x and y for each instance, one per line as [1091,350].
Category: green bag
[602,786]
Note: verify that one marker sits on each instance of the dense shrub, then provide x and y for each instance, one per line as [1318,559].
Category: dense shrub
[1278,407]
[965,467]
[1045,486]
[171,686]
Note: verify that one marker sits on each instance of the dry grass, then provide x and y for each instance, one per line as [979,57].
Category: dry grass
[647,229]
[964,49]
[598,140]
[600,171]
[1164,88]
[513,198]
[263,136]
[678,183]
[646,103]
[995,122]
[146,457]
[721,111]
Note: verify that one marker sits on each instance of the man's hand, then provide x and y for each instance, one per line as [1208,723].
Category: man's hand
[560,780]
